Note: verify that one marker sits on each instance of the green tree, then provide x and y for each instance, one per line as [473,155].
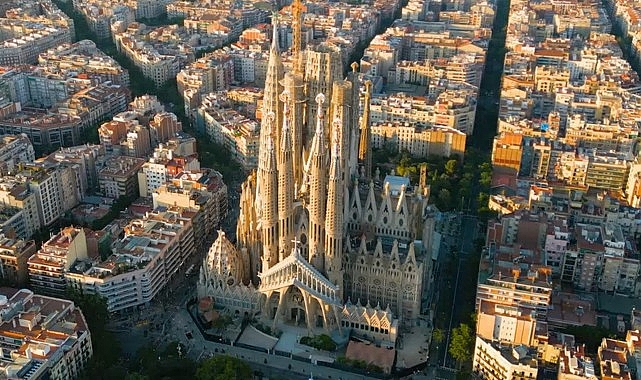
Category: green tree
[104,363]
[444,198]
[223,368]
[462,344]
[438,335]
[451,166]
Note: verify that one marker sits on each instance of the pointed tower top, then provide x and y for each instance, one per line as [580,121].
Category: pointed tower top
[275,43]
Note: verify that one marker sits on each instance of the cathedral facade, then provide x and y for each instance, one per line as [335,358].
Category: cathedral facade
[320,241]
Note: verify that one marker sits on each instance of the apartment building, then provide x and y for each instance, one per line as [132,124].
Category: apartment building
[162,167]
[203,192]
[84,57]
[164,126]
[102,16]
[56,256]
[147,8]
[43,128]
[42,337]
[460,68]
[146,105]
[16,195]
[143,261]
[14,150]
[118,177]
[14,254]
[514,325]
[55,188]
[493,361]
[95,104]
[125,136]
[453,108]
[37,38]
[574,364]
[612,355]
[83,159]
[600,260]
[228,127]
[160,53]
[417,140]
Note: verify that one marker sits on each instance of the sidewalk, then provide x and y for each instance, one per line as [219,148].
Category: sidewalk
[199,347]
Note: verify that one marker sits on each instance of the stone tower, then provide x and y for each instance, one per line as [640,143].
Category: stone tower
[365,147]
[341,111]
[273,87]
[285,183]
[323,66]
[297,43]
[334,218]
[268,185]
[317,166]
[293,84]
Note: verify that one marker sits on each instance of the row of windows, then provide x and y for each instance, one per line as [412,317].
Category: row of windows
[364,327]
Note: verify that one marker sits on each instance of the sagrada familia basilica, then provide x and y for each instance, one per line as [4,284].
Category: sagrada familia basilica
[321,242]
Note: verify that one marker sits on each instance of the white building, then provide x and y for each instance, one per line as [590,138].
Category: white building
[495,362]
[142,263]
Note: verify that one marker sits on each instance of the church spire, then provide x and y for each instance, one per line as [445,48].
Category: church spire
[268,176]
[285,183]
[365,148]
[317,165]
[297,20]
[273,86]
[334,219]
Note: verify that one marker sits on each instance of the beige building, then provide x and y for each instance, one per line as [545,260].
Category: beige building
[496,362]
[418,141]
[203,192]
[514,325]
[143,262]
[164,126]
[14,254]
[16,194]
[575,365]
[612,355]
[119,177]
[48,266]
[43,337]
